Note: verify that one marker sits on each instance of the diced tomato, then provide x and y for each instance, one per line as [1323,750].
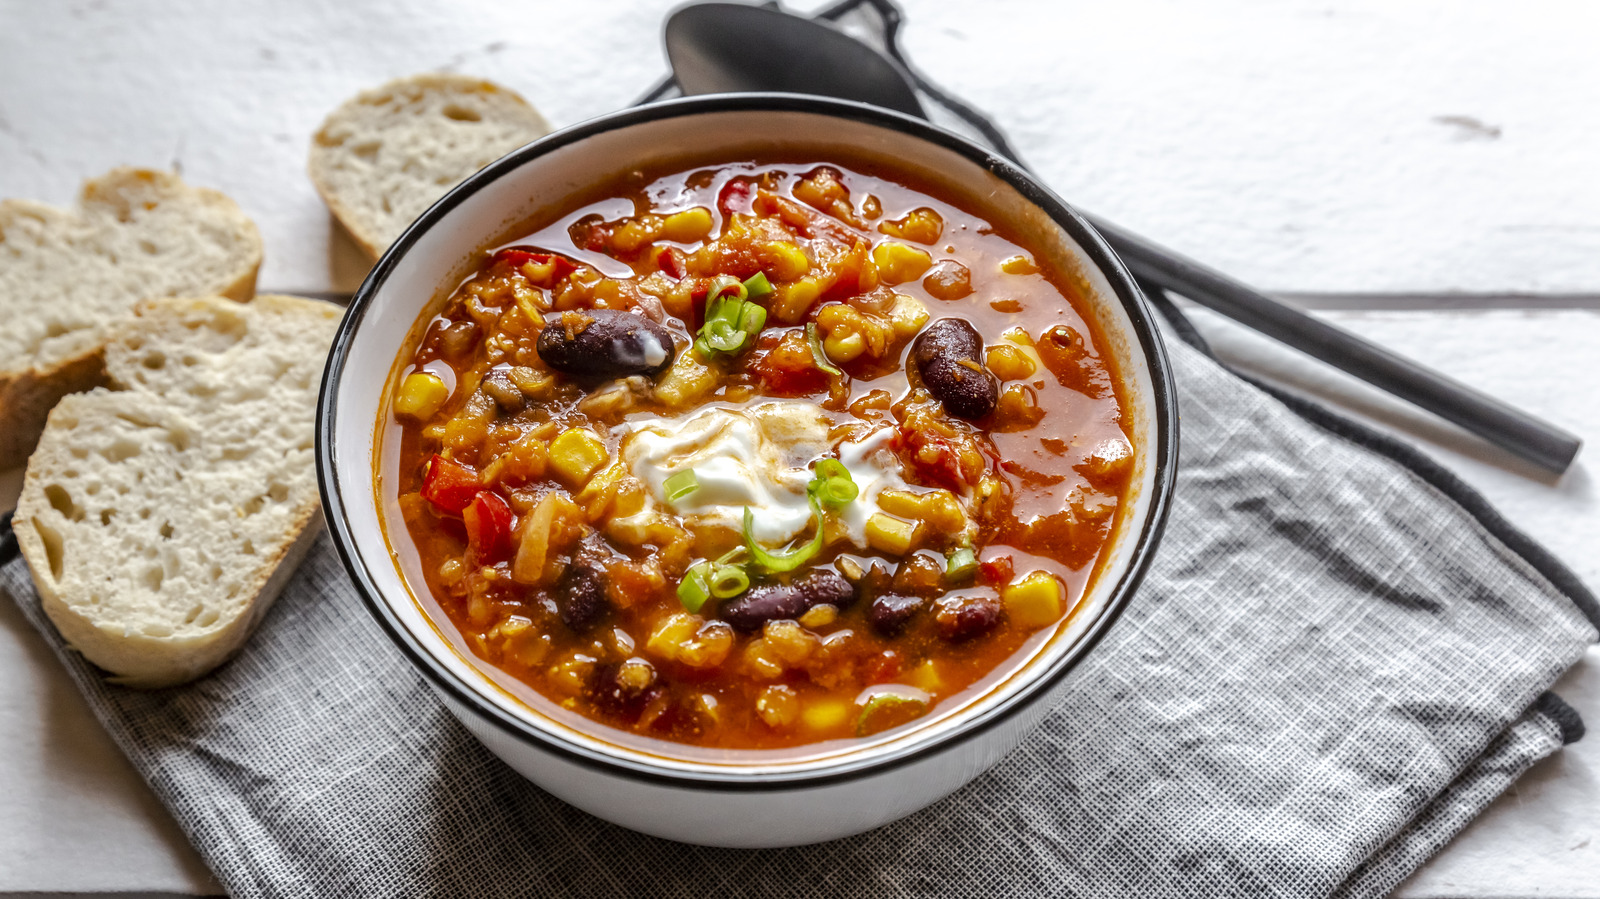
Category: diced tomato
[936,459]
[995,571]
[449,485]
[488,519]
[517,257]
[735,196]
[670,260]
[789,368]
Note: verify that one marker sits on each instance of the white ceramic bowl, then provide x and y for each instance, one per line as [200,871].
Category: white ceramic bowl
[748,798]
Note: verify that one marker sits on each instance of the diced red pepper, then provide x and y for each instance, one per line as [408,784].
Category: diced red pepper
[488,519]
[449,485]
[670,260]
[995,571]
[517,257]
[735,196]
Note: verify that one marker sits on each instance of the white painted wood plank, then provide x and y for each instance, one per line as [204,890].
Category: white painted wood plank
[1301,145]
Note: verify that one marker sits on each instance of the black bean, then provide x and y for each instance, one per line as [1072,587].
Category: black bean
[605,343]
[773,602]
[890,613]
[949,357]
[581,592]
[968,618]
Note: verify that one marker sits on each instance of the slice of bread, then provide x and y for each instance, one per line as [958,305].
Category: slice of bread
[381,159]
[161,517]
[67,276]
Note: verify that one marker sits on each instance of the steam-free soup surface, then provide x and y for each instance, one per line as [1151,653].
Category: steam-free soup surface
[756,456]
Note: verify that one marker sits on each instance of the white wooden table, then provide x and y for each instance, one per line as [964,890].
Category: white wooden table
[1422,173]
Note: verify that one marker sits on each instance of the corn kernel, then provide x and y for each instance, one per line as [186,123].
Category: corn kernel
[686,381]
[1019,265]
[826,714]
[844,348]
[1009,363]
[635,233]
[688,226]
[890,535]
[819,616]
[421,395]
[790,302]
[786,261]
[708,647]
[898,263]
[1034,601]
[907,317]
[921,225]
[575,454]
[778,706]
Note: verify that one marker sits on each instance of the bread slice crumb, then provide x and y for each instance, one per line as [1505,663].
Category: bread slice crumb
[68,276]
[160,517]
[386,155]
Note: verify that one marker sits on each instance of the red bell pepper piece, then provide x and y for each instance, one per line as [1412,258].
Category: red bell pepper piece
[735,196]
[996,571]
[488,519]
[449,485]
[517,257]
[670,261]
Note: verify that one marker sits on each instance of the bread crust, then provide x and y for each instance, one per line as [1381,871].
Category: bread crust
[90,596]
[28,390]
[324,158]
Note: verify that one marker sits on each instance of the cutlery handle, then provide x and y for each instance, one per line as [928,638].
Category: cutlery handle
[1538,441]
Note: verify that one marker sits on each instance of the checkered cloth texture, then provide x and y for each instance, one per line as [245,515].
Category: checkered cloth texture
[1336,662]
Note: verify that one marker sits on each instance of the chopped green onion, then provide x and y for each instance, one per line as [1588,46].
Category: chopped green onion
[757,286]
[817,355]
[961,564]
[732,321]
[729,581]
[681,485]
[720,285]
[693,590]
[787,560]
[833,486]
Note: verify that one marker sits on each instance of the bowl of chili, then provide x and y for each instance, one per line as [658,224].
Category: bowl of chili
[748,470]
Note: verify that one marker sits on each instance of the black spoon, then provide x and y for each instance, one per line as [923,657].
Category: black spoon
[733,47]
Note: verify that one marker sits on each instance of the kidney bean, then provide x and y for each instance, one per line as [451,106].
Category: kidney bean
[772,602]
[949,357]
[968,618]
[580,594]
[605,343]
[890,613]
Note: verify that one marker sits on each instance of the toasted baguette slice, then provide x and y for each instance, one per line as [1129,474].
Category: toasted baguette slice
[161,517]
[66,276]
[386,155]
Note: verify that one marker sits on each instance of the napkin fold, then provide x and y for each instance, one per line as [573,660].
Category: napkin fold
[1340,656]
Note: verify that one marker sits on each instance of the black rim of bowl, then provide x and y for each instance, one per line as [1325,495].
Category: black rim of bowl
[847,767]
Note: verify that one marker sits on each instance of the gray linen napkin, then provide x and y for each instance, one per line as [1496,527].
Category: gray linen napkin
[1332,667]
